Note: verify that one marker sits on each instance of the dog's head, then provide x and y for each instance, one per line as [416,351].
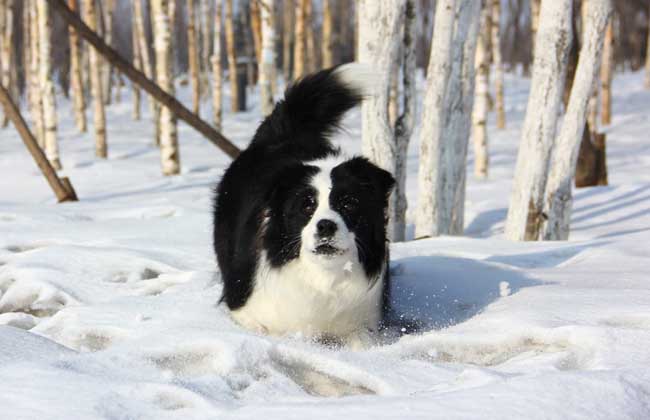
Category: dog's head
[331,213]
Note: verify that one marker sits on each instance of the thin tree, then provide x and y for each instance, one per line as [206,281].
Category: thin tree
[379,29]
[288,13]
[256,28]
[310,38]
[106,12]
[405,121]
[525,213]
[266,66]
[535,8]
[169,153]
[300,41]
[647,55]
[558,199]
[137,63]
[76,81]
[46,83]
[145,57]
[606,72]
[232,57]
[7,67]
[193,56]
[99,115]
[205,46]
[495,26]
[217,69]
[328,40]
[480,113]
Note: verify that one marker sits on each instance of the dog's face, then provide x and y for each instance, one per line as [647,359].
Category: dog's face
[330,214]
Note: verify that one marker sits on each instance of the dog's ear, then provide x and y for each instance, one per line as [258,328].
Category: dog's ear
[381,180]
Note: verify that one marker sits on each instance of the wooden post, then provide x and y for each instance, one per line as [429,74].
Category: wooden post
[62,191]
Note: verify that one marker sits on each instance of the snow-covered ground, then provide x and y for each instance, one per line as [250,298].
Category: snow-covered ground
[108,305]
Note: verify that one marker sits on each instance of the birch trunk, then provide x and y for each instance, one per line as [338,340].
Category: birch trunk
[393,89]
[193,57]
[439,69]
[217,70]
[300,43]
[606,71]
[76,81]
[480,114]
[405,122]
[169,154]
[137,63]
[232,57]
[287,39]
[266,66]
[647,55]
[34,80]
[535,7]
[458,121]
[6,51]
[495,25]
[256,29]
[47,84]
[205,47]
[107,70]
[327,41]
[525,212]
[558,200]
[312,61]
[147,68]
[378,39]
[99,116]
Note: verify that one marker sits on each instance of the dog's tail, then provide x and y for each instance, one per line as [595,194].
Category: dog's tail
[312,109]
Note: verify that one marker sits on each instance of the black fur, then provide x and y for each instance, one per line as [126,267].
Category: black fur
[262,202]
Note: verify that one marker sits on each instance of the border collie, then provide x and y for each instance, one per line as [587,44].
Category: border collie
[300,229]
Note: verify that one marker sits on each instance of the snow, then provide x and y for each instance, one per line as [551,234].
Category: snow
[108,306]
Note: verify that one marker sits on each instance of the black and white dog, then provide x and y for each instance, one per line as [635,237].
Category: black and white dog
[299,229]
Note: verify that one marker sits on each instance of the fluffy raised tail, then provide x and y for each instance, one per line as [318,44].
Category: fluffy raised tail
[312,109]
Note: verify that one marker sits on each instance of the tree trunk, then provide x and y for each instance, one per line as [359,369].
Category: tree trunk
[205,47]
[47,84]
[287,39]
[193,56]
[647,55]
[169,153]
[76,81]
[327,41]
[480,113]
[606,72]
[525,213]
[266,66]
[498,64]
[217,69]
[61,187]
[232,57]
[310,38]
[558,200]
[404,124]
[147,68]
[99,116]
[535,8]
[7,58]
[300,43]
[256,28]
[35,91]
[137,63]
[107,71]
[378,39]
[438,72]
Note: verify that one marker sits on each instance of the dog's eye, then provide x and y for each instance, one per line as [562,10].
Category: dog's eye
[349,204]
[308,205]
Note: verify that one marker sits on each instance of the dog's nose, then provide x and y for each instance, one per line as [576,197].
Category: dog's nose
[326,228]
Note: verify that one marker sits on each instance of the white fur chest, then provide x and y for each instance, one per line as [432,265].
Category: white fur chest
[310,298]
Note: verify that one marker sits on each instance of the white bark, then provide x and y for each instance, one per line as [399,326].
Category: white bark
[145,57]
[498,63]
[137,63]
[267,62]
[99,116]
[76,80]
[447,119]
[107,69]
[47,84]
[217,69]
[549,73]
[169,153]
[480,114]
[193,56]
[405,122]
[378,38]
[35,93]
[426,222]
[558,198]
[6,50]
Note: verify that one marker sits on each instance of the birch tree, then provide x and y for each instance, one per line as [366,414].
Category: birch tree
[495,26]
[76,81]
[480,114]
[137,63]
[525,212]
[217,69]
[300,43]
[47,84]
[205,46]
[193,56]
[327,41]
[267,63]
[232,57]
[647,55]
[310,38]
[558,199]
[287,38]
[107,70]
[169,153]
[606,72]
[146,61]
[256,28]
[6,50]
[535,7]
[379,31]
[35,92]
[405,121]
[448,103]
[99,115]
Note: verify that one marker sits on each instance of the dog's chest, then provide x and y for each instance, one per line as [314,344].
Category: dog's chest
[301,297]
